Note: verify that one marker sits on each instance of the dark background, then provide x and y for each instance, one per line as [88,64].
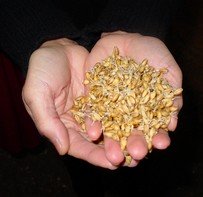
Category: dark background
[177,171]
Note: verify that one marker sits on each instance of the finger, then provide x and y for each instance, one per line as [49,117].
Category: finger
[173,122]
[161,140]
[137,145]
[113,151]
[178,102]
[83,149]
[46,119]
[93,129]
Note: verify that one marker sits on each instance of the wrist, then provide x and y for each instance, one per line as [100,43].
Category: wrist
[58,42]
[103,34]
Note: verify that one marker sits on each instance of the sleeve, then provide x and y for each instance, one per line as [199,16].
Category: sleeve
[148,17]
[26,24]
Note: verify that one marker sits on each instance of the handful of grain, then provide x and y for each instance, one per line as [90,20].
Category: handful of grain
[125,96]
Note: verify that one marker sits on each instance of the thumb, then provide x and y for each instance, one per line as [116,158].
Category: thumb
[42,110]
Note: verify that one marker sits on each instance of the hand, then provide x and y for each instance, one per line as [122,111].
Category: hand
[138,47]
[54,79]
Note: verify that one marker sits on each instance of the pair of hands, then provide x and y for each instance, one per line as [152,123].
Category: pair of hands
[55,78]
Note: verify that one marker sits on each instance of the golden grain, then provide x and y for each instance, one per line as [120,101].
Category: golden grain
[178,91]
[124,96]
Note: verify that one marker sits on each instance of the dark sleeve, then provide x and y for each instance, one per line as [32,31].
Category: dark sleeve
[26,24]
[148,17]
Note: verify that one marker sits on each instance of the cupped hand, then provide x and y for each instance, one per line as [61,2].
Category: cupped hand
[54,79]
[139,48]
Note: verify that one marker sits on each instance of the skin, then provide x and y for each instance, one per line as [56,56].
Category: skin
[54,79]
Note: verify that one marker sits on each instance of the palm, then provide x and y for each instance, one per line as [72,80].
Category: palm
[51,70]
[55,78]
[138,47]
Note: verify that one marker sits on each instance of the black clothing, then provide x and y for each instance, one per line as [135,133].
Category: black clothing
[26,24]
